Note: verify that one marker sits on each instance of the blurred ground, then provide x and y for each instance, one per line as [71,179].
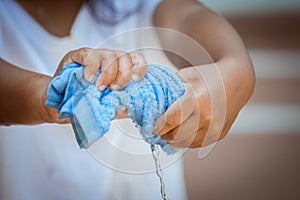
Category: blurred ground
[246,167]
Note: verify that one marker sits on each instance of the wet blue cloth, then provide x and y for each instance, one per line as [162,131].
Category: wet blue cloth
[91,110]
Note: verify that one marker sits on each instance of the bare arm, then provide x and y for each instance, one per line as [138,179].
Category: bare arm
[229,57]
[23,92]
[22,96]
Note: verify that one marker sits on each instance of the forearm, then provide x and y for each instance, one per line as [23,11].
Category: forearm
[22,96]
[203,25]
[213,33]
[227,76]
[226,49]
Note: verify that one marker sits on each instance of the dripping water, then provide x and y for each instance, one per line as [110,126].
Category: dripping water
[159,172]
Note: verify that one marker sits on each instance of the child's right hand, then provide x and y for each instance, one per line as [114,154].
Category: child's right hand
[117,67]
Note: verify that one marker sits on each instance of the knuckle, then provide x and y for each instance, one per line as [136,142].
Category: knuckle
[141,58]
[120,53]
[71,52]
[85,50]
[110,54]
[111,60]
[137,54]
[127,57]
[125,63]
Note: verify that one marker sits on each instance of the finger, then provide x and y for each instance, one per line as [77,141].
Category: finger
[74,56]
[64,121]
[187,143]
[139,66]
[194,132]
[177,113]
[187,139]
[198,140]
[195,139]
[124,71]
[109,70]
[184,131]
[92,63]
[204,135]
[121,113]
[208,135]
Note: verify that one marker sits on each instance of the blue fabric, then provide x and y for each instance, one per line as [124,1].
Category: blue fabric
[91,110]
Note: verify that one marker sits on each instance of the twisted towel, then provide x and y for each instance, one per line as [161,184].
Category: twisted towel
[91,110]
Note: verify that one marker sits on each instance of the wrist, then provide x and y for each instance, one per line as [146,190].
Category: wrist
[22,96]
[238,77]
[37,87]
[45,114]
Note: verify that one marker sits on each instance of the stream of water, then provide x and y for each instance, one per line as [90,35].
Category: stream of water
[155,153]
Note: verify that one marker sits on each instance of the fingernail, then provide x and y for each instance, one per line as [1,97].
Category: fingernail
[89,77]
[135,77]
[115,86]
[102,87]
[123,108]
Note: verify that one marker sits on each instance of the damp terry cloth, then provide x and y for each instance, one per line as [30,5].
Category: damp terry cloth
[92,110]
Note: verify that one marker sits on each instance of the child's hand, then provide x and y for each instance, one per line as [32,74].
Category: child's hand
[117,67]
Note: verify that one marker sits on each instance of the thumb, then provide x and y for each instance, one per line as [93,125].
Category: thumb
[177,113]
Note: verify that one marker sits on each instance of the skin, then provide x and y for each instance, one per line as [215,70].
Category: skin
[187,121]
[230,58]
[118,67]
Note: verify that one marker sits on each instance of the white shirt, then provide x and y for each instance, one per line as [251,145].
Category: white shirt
[44,161]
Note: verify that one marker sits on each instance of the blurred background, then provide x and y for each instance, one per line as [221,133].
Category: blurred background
[260,157]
